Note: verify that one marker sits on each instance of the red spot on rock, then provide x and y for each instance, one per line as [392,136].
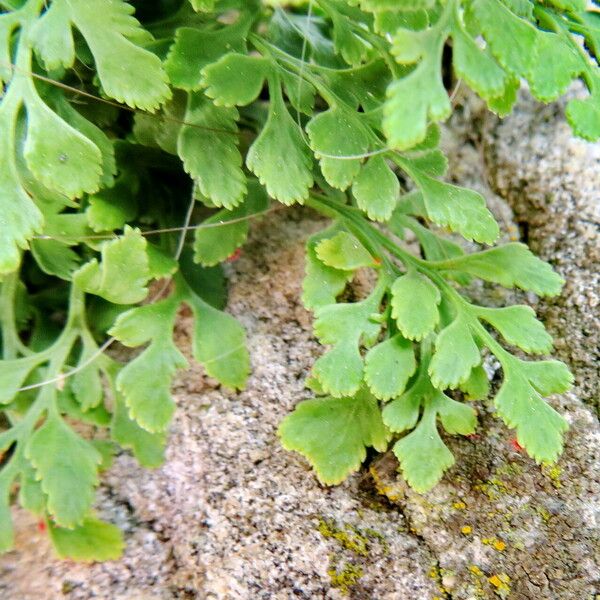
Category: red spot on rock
[515,445]
[233,257]
[41,526]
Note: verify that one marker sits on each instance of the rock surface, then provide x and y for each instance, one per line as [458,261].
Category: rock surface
[232,516]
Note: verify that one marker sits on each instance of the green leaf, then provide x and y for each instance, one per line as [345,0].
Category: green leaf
[194,49]
[570,5]
[207,145]
[93,540]
[343,251]
[225,231]
[345,326]
[86,383]
[31,495]
[376,189]
[54,258]
[145,382]
[388,367]
[513,41]
[461,210]
[111,208]
[415,302]
[403,412]
[60,156]
[519,327]
[52,37]
[477,385]
[539,427]
[556,65]
[148,448]
[20,218]
[422,454]
[219,344]
[13,374]
[321,284]
[476,66]
[235,79]
[112,35]
[333,434]
[279,156]
[456,417]
[548,376]
[67,467]
[7,535]
[414,100]
[584,115]
[456,353]
[338,132]
[511,265]
[122,275]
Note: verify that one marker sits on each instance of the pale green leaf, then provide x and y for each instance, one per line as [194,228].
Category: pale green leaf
[112,34]
[321,284]
[548,376]
[67,467]
[279,156]
[207,145]
[60,156]
[194,49]
[54,258]
[539,427]
[219,344]
[343,251]
[92,540]
[20,218]
[338,132]
[461,210]
[334,433]
[225,231]
[557,64]
[422,454]
[511,265]
[477,385]
[145,382]
[388,367]
[376,189]
[7,535]
[31,495]
[402,413]
[235,79]
[147,447]
[456,353]
[456,417]
[513,41]
[345,327]
[415,302]
[122,275]
[52,37]
[519,327]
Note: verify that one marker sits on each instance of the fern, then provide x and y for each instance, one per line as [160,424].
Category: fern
[92,198]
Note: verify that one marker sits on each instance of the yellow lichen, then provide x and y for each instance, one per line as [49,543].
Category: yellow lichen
[346,577]
[476,570]
[466,530]
[459,505]
[350,538]
[553,472]
[501,583]
[499,545]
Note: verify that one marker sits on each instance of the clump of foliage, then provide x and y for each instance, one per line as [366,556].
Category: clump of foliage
[110,123]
